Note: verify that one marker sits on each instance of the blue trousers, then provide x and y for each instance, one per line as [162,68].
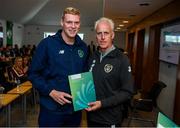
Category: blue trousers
[47,118]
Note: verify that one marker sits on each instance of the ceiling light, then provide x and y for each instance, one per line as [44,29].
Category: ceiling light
[121,25]
[125,21]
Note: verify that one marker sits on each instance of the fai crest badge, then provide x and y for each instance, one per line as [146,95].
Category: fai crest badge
[108,68]
[80,53]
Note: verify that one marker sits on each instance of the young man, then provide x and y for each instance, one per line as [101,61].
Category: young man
[55,58]
[112,78]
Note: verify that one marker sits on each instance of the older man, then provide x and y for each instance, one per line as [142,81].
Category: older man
[112,77]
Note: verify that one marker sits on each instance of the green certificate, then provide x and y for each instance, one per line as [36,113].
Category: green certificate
[165,122]
[82,90]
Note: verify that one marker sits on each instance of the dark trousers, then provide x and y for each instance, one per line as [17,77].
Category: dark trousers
[96,124]
[48,118]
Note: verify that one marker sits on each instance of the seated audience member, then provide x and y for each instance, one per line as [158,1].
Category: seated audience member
[2,55]
[18,70]
[23,50]
[16,50]
[26,63]
[33,50]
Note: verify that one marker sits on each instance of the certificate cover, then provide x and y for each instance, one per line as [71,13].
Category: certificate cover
[82,90]
[165,122]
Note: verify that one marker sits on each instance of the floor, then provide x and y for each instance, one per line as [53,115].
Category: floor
[32,117]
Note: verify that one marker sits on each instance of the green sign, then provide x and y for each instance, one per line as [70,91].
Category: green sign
[9,32]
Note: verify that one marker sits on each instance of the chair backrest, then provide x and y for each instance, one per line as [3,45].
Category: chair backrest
[155,91]
[2,76]
[10,73]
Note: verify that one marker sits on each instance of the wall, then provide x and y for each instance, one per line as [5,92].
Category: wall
[34,34]
[89,34]
[168,71]
[167,74]
[3,24]
[120,39]
[18,31]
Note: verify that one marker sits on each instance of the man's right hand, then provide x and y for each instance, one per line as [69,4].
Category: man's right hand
[60,97]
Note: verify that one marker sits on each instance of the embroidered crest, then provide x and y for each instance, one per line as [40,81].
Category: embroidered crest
[80,53]
[108,68]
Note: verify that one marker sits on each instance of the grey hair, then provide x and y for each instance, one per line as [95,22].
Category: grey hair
[110,21]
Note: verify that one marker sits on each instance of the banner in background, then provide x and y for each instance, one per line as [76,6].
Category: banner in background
[9,32]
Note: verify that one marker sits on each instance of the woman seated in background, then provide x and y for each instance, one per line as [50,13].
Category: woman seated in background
[18,72]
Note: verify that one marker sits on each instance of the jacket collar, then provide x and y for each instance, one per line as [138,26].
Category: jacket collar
[112,53]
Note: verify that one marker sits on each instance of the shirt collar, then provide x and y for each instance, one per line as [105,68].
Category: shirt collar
[103,54]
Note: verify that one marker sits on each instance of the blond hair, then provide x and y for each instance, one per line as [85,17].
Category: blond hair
[70,10]
[18,59]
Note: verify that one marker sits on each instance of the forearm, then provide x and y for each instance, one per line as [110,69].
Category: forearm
[41,84]
[116,99]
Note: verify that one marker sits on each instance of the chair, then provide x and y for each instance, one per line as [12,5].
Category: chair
[4,81]
[146,104]
[9,74]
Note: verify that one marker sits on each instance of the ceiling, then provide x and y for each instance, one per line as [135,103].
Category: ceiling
[48,12]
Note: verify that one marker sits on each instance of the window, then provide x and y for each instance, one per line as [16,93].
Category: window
[46,34]
[172,38]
